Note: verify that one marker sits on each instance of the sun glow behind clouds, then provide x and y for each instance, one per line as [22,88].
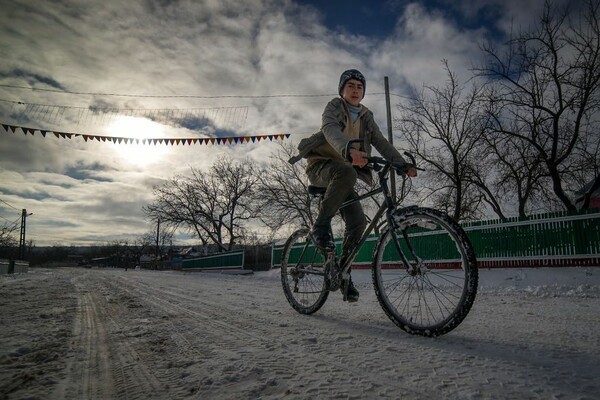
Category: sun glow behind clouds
[140,155]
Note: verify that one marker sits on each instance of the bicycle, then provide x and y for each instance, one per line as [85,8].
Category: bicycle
[424,268]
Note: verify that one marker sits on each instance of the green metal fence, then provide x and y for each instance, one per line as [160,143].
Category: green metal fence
[230,260]
[557,239]
[563,238]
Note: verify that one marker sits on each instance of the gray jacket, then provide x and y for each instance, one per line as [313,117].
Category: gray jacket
[332,128]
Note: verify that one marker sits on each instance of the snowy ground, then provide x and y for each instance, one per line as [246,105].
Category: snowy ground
[103,334]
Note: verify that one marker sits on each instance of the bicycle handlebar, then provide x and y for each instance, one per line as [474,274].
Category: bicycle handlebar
[377,162]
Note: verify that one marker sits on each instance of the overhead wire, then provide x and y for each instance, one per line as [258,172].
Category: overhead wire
[10,205]
[170,96]
[12,224]
[163,96]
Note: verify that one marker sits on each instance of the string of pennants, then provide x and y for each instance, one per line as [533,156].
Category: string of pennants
[154,141]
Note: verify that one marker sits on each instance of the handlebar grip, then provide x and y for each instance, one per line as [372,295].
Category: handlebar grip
[347,150]
[402,168]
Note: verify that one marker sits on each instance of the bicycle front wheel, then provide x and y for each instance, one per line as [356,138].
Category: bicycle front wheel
[303,274]
[425,272]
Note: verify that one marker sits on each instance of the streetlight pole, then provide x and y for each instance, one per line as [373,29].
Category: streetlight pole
[390,134]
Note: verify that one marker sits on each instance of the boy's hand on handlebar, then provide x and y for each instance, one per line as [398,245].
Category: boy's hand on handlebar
[359,158]
[412,172]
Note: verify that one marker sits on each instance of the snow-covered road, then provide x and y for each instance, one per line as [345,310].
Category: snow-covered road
[108,333]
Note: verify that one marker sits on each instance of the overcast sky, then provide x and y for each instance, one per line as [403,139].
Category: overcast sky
[222,55]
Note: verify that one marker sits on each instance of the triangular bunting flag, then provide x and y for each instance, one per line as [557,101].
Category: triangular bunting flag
[144,141]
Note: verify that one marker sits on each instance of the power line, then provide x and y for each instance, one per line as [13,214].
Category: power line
[192,96]
[235,115]
[165,96]
[11,206]
[4,218]
[12,223]
[112,109]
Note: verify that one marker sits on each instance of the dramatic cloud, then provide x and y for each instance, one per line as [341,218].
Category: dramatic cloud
[197,52]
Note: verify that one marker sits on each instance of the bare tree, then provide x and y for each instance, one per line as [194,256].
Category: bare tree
[7,235]
[283,191]
[548,81]
[283,199]
[8,240]
[157,241]
[444,127]
[516,173]
[214,205]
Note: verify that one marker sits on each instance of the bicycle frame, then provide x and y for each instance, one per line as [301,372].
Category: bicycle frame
[417,293]
[388,205]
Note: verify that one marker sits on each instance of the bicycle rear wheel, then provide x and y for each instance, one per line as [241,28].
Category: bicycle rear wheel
[435,293]
[303,274]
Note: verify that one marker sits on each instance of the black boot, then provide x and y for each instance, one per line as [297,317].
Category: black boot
[351,294]
[321,234]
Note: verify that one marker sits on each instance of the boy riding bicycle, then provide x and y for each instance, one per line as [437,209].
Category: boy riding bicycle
[344,119]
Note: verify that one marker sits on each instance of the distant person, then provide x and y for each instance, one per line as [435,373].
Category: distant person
[344,119]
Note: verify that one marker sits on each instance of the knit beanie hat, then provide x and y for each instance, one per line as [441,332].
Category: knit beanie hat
[352,74]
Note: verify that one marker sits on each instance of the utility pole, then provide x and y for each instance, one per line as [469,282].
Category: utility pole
[390,135]
[24,216]
[158,238]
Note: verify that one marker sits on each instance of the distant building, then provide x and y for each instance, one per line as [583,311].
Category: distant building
[594,186]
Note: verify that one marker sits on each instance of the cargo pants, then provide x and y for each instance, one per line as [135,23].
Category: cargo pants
[339,178]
